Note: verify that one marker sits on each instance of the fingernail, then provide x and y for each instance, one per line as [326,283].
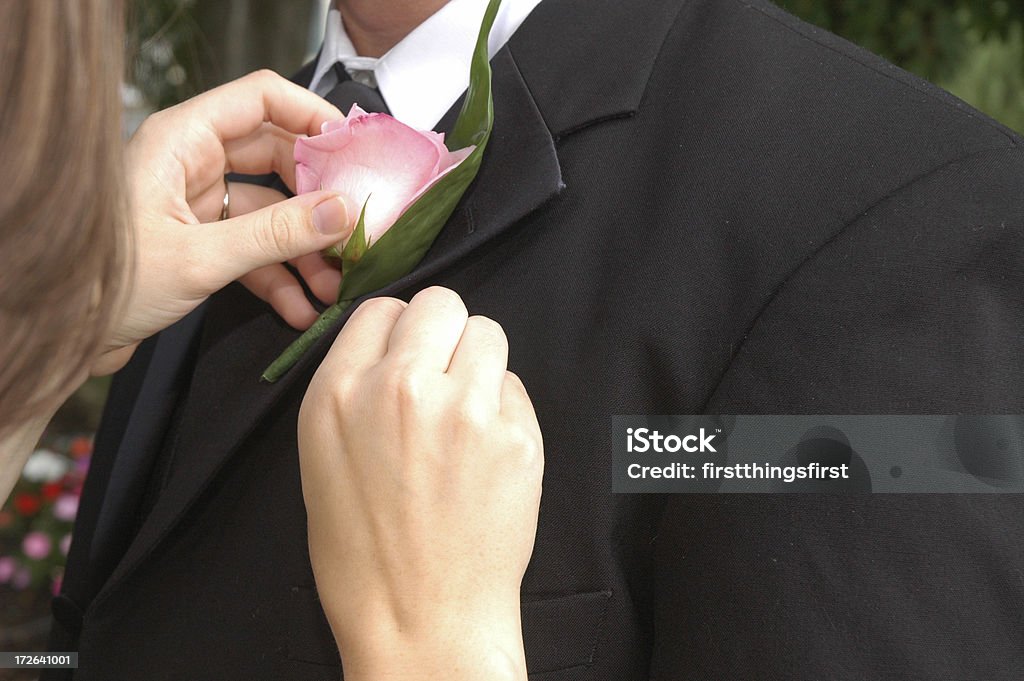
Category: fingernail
[330,216]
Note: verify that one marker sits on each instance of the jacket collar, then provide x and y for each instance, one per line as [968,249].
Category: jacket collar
[588,61]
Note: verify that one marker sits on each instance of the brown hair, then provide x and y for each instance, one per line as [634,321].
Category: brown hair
[63,246]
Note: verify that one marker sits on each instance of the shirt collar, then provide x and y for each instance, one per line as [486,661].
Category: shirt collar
[422,76]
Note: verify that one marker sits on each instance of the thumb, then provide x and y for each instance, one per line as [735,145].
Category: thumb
[282,231]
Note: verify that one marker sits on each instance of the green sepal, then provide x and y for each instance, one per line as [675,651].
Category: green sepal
[332,255]
[357,244]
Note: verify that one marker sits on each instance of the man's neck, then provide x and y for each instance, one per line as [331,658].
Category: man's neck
[375,26]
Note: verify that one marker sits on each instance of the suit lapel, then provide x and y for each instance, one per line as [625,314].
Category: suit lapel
[136,451]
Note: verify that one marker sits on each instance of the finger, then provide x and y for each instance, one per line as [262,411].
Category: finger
[278,233]
[276,286]
[267,150]
[480,359]
[516,404]
[429,330]
[247,198]
[240,107]
[321,278]
[363,341]
[207,204]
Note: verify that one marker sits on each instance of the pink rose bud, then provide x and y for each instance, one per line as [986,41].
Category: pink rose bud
[66,507]
[36,545]
[374,156]
[8,566]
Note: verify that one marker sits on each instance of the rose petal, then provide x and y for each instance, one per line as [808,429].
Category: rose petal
[306,179]
[454,159]
[329,126]
[373,155]
[377,160]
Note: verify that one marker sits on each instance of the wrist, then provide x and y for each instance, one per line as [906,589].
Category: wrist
[448,647]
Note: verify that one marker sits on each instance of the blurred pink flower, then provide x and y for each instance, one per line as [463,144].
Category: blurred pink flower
[65,544]
[8,566]
[36,545]
[374,154]
[58,580]
[66,507]
[22,579]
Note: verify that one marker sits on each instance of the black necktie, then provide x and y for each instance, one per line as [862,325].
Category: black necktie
[348,91]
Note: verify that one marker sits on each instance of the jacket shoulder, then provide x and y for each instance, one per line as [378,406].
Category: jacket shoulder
[807,127]
[770,73]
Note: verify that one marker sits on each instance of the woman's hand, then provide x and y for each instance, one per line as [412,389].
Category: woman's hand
[176,165]
[421,470]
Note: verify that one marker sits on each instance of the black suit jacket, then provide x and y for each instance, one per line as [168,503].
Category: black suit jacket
[686,207]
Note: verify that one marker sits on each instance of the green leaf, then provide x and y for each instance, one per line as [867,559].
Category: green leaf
[400,249]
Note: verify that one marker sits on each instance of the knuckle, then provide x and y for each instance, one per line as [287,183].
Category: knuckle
[344,387]
[514,381]
[488,329]
[284,220]
[263,75]
[473,415]
[389,308]
[407,385]
[528,449]
[333,383]
[281,227]
[441,297]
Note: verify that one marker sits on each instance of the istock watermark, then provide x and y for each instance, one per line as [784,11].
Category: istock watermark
[811,453]
[644,439]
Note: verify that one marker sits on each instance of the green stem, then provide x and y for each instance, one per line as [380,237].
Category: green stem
[291,355]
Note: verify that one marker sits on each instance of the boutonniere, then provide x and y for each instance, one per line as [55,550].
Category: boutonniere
[409,182]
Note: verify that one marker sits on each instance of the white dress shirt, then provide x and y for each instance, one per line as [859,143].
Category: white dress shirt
[424,74]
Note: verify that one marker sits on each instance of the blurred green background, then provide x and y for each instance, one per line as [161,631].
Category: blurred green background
[177,48]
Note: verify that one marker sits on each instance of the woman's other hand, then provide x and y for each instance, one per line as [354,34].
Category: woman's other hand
[421,466]
[176,165]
